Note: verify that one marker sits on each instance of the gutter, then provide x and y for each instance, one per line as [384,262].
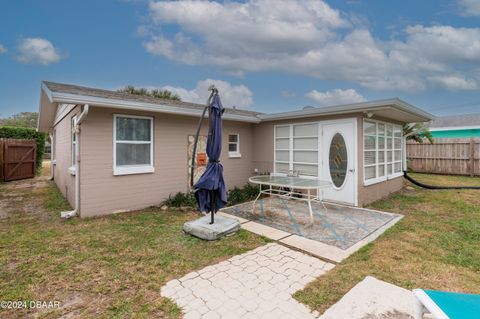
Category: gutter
[74,212]
[68,98]
[372,106]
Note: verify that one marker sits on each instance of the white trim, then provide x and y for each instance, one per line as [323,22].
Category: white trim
[237,153]
[291,163]
[133,169]
[395,104]
[431,306]
[454,128]
[234,155]
[47,91]
[69,98]
[355,154]
[385,163]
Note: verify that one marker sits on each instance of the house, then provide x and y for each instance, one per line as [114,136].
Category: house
[115,152]
[456,126]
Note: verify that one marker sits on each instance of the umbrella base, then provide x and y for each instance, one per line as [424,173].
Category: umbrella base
[202,228]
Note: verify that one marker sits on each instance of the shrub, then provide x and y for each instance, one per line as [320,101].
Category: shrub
[235,196]
[181,200]
[27,134]
[244,194]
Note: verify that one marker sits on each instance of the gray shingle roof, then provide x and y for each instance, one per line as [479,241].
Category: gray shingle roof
[456,120]
[114,95]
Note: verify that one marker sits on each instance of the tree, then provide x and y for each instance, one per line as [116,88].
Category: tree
[157,93]
[421,133]
[22,119]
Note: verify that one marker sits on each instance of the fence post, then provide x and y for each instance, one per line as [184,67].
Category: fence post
[472,157]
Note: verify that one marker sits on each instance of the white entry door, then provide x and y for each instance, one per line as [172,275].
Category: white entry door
[339,160]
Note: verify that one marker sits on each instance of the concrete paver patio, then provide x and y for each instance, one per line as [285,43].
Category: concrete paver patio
[335,233]
[259,283]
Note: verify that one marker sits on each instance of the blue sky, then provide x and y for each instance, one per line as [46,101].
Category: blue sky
[264,55]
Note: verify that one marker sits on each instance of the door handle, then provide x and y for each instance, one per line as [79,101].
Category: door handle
[352,170]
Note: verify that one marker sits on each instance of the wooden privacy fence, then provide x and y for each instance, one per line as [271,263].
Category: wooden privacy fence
[458,156]
[17,159]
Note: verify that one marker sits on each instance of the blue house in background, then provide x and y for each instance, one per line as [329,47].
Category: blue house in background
[456,126]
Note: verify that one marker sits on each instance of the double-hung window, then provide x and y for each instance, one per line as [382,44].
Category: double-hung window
[296,149]
[382,156]
[133,144]
[234,145]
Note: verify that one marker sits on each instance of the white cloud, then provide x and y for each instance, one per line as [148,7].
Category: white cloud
[37,51]
[2,49]
[455,83]
[335,97]
[239,96]
[470,7]
[310,38]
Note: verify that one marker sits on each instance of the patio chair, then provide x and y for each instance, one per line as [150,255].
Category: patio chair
[446,305]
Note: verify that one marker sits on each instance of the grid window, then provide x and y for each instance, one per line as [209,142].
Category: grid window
[296,149]
[382,150]
[233,145]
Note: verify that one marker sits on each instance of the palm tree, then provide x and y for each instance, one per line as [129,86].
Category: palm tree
[421,132]
[157,93]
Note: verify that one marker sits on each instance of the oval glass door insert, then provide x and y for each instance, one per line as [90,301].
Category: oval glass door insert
[338,160]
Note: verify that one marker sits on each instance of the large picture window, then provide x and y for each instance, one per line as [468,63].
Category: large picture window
[133,144]
[382,144]
[296,149]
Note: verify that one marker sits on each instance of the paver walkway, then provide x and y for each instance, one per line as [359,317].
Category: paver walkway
[257,284]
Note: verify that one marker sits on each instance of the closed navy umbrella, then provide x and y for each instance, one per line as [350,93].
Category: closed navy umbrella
[210,189]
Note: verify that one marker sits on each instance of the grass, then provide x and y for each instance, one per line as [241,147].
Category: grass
[109,267]
[435,246]
[113,267]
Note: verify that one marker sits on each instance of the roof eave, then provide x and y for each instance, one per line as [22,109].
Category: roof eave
[46,110]
[352,108]
[59,97]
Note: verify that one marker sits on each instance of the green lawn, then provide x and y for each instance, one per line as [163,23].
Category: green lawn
[113,267]
[110,267]
[436,245]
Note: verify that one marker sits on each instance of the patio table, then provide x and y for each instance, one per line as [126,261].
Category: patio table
[290,187]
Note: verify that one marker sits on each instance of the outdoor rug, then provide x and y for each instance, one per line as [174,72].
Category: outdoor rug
[339,226]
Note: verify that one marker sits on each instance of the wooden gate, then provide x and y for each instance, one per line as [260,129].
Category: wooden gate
[17,159]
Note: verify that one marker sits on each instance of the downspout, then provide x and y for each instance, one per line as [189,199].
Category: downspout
[52,157]
[74,212]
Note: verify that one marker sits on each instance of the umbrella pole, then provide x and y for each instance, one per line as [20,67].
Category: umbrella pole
[212,206]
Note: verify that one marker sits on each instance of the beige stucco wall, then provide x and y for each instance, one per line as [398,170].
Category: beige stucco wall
[63,156]
[264,149]
[103,193]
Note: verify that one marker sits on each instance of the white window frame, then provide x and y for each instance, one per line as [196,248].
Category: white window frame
[291,149]
[386,176]
[74,140]
[132,169]
[236,154]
